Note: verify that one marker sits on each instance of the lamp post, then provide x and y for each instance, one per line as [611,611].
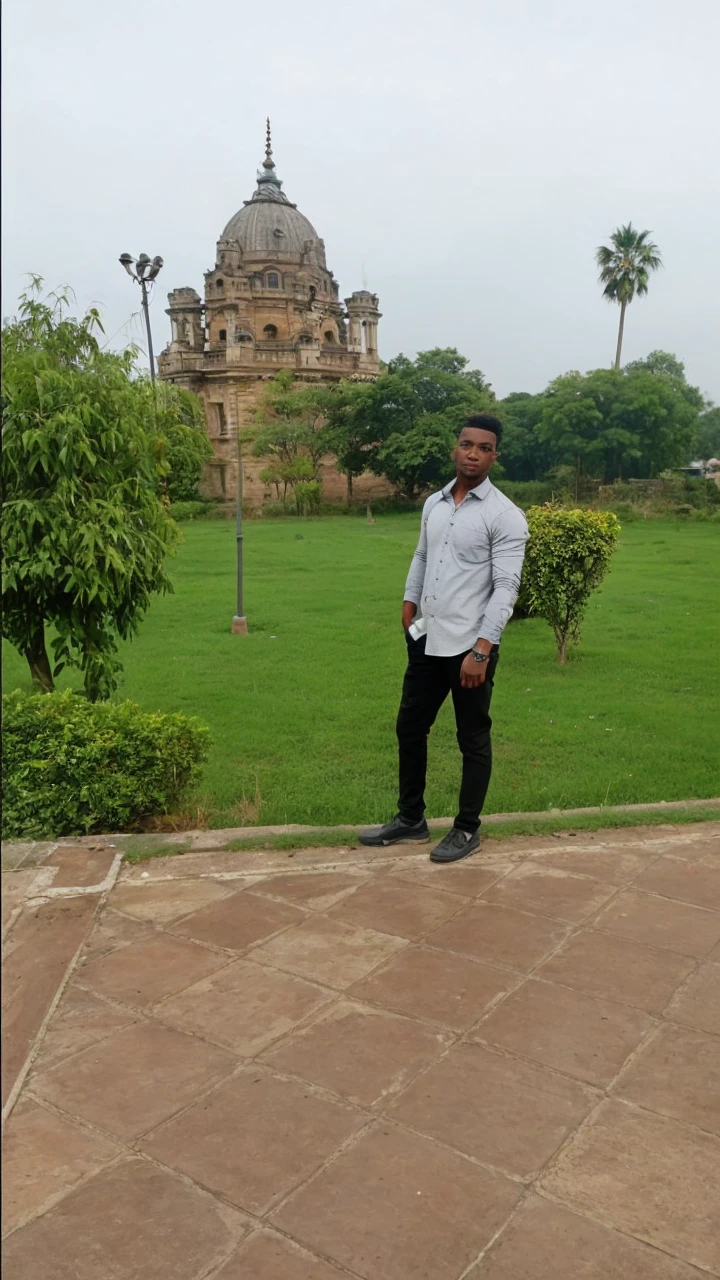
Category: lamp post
[239,622]
[143,271]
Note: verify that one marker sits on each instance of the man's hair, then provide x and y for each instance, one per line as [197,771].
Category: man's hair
[483,422]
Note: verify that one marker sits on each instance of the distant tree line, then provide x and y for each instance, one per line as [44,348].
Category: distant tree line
[608,424]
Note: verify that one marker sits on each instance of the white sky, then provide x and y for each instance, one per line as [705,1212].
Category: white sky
[468,155]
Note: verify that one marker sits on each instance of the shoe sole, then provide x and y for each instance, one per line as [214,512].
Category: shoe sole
[377,844]
[458,857]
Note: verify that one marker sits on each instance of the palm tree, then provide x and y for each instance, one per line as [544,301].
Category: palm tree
[624,270]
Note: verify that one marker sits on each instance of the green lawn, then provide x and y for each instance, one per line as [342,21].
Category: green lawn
[302,710]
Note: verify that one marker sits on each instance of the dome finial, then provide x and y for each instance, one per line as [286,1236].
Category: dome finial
[268,161]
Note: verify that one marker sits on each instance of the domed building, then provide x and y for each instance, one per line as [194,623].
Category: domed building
[270,304]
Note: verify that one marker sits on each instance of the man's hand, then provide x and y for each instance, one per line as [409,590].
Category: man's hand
[472,673]
[408,613]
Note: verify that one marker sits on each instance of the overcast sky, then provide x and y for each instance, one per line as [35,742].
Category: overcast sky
[463,157]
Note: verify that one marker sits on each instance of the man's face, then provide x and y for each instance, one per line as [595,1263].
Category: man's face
[474,454]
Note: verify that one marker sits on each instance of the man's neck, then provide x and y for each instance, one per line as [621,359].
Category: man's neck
[462,488]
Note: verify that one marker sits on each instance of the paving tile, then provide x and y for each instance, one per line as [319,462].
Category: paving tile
[315,890]
[167,900]
[145,972]
[111,931]
[660,923]
[44,1155]
[135,1078]
[648,1176]
[16,887]
[614,866]
[547,1242]
[80,866]
[551,892]
[238,921]
[37,954]
[267,1256]
[395,906]
[577,1034]
[396,1206]
[697,1004]
[500,935]
[360,1053]
[622,970]
[699,848]
[438,985]
[507,1113]
[255,1138]
[81,1019]
[124,1224]
[469,878]
[328,951]
[244,1007]
[684,881]
[677,1073]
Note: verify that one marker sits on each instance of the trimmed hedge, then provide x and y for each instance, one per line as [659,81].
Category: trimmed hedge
[71,766]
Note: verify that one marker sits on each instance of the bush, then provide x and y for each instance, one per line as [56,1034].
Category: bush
[71,766]
[568,554]
[181,511]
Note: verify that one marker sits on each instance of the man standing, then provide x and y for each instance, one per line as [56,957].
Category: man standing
[464,578]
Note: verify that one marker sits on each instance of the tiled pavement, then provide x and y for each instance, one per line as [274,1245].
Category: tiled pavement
[356,1064]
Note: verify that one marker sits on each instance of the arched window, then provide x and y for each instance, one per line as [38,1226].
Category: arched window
[270,332]
[329,336]
[219,286]
[304,339]
[244,337]
[223,335]
[272,280]
[313,293]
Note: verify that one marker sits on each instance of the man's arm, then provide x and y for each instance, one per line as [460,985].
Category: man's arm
[416,576]
[507,551]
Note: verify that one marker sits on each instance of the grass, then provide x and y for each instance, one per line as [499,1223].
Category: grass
[302,709]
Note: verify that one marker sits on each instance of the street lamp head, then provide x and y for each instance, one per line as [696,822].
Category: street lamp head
[127,261]
[155,267]
[142,264]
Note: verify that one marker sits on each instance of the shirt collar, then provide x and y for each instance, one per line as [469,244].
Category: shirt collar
[480,491]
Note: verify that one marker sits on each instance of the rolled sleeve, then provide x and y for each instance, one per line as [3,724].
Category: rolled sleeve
[509,535]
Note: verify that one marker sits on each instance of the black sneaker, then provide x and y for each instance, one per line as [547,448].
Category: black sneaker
[456,844]
[395,831]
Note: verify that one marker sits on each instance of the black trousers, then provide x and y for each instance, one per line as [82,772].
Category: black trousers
[427,683]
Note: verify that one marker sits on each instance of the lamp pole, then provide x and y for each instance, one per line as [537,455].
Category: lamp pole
[144,271]
[239,622]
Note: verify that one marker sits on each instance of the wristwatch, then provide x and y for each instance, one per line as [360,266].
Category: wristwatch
[478,656]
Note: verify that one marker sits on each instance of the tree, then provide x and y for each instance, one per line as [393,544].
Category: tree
[416,410]
[350,431]
[625,269]
[567,557]
[610,425]
[291,434]
[178,419]
[84,528]
[707,440]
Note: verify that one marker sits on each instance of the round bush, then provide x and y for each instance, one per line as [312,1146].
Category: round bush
[71,766]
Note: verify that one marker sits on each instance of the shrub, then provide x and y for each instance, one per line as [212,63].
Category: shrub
[71,766]
[567,556]
[181,511]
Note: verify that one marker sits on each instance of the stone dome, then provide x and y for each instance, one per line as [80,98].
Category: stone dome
[269,222]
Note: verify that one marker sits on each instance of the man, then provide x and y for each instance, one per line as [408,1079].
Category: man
[465,577]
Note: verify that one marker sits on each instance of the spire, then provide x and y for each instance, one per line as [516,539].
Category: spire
[268,161]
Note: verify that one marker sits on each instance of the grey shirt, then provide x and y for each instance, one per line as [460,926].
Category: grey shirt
[465,574]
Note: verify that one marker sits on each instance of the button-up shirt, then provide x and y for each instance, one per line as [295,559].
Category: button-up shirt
[465,574]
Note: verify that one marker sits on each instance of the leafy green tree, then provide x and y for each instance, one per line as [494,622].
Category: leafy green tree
[567,556]
[289,425]
[625,267]
[178,419]
[416,409]
[707,440]
[85,531]
[610,425]
[524,455]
